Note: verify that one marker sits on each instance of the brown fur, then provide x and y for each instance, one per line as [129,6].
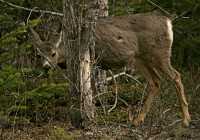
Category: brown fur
[142,42]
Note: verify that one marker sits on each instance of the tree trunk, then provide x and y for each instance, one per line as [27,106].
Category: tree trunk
[85,86]
[79,25]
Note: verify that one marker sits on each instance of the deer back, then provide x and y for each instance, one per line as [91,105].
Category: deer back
[121,40]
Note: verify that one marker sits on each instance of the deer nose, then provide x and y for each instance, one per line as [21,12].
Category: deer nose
[46,65]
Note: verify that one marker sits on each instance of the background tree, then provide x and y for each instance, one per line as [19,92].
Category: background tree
[79,24]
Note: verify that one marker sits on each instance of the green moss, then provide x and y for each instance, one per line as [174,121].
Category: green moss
[59,133]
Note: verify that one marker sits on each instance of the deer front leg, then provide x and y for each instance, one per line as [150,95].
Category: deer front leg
[153,90]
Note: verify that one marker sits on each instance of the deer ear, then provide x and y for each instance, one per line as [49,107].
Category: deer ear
[36,38]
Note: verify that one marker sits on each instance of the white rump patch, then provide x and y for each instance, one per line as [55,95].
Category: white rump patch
[169,30]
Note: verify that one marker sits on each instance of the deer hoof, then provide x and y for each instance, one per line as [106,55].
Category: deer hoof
[186,121]
[138,121]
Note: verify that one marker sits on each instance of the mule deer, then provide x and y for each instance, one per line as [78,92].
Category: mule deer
[140,41]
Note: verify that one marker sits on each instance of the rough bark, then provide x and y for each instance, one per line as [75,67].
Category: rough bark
[79,24]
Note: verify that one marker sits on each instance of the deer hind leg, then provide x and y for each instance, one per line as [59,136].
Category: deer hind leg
[175,76]
[153,89]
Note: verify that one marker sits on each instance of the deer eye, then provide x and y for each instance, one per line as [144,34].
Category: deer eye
[53,54]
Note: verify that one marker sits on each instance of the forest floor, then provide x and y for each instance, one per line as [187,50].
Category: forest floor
[62,130]
[163,122]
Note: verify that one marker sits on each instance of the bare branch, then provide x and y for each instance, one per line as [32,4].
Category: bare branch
[31,10]
[135,78]
[115,76]
[116,93]
[123,101]
[182,15]
[159,7]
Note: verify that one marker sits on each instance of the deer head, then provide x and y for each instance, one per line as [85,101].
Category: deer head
[51,51]
[141,41]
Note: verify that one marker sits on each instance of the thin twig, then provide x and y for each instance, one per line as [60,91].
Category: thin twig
[100,94]
[116,93]
[27,20]
[128,75]
[173,123]
[115,76]
[159,7]
[165,111]
[134,78]
[123,101]
[175,17]
[182,15]
[31,10]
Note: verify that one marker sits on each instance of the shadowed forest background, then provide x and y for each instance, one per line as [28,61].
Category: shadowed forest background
[34,102]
